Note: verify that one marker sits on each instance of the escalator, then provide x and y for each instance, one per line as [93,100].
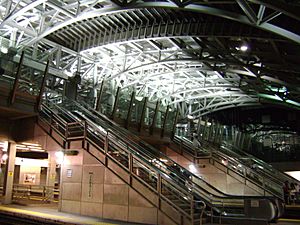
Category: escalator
[173,190]
[257,164]
[264,181]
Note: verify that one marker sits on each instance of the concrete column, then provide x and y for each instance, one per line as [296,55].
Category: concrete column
[51,170]
[51,175]
[9,175]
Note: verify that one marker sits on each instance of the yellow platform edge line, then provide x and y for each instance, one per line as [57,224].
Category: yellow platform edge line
[289,220]
[50,216]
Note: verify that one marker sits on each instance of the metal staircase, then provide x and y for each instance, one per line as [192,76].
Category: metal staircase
[179,195]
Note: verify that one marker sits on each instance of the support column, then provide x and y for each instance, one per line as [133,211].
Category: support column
[164,124]
[51,173]
[128,119]
[99,97]
[113,114]
[51,170]
[174,125]
[40,97]
[143,115]
[9,174]
[154,118]
[16,82]
[71,87]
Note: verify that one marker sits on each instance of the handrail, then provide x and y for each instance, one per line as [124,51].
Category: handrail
[35,192]
[135,149]
[193,185]
[203,207]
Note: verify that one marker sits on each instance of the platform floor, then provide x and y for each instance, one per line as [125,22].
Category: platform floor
[50,213]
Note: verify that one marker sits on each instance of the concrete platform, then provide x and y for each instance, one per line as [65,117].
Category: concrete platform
[46,213]
[49,213]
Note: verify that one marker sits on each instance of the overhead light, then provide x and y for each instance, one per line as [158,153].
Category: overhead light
[32,144]
[59,157]
[37,150]
[23,148]
[244,48]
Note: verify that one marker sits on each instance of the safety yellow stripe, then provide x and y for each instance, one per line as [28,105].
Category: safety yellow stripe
[289,220]
[51,216]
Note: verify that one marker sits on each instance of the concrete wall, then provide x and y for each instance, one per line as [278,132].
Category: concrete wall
[88,188]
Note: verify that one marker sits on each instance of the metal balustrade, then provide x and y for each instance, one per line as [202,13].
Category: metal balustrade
[42,193]
[139,162]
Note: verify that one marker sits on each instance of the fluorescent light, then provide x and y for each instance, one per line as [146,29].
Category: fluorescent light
[37,150]
[23,148]
[32,144]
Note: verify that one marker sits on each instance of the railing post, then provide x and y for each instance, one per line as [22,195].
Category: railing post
[130,165]
[44,193]
[85,129]
[66,131]
[106,144]
[264,185]
[192,209]
[159,180]
[51,120]
[16,82]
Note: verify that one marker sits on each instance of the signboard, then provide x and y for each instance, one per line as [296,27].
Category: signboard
[29,178]
[69,173]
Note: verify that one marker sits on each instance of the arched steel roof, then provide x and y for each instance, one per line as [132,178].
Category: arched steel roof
[185,53]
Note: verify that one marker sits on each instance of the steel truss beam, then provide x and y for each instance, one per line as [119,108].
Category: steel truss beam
[67,14]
